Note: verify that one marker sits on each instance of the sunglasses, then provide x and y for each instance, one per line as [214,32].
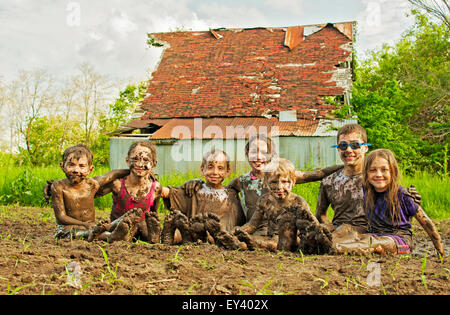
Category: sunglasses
[354,145]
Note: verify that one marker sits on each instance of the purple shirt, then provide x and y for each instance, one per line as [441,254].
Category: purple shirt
[380,221]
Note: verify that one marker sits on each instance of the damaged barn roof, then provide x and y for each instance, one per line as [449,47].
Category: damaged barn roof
[243,127]
[245,72]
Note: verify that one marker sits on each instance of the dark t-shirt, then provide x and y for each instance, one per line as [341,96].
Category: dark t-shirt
[250,189]
[345,195]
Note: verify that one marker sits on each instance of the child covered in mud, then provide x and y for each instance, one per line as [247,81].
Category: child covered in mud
[138,192]
[280,214]
[259,151]
[389,209]
[343,190]
[212,209]
[73,196]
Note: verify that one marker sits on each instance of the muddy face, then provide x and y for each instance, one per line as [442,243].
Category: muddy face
[215,171]
[352,157]
[379,174]
[76,169]
[280,186]
[258,156]
[140,161]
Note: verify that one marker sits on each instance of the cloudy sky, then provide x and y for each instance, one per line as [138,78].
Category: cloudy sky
[58,35]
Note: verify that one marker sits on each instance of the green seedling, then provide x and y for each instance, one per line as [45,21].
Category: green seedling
[422,276]
[110,274]
[323,281]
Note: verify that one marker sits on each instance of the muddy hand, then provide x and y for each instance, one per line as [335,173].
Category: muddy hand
[192,186]
[47,191]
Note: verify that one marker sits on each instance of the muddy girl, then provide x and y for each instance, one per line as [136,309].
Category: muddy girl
[281,214]
[389,210]
[73,196]
[139,193]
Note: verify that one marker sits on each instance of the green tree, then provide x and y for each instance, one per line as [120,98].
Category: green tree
[120,112]
[401,95]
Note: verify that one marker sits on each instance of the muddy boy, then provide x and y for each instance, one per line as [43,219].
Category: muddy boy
[73,196]
[212,207]
[281,214]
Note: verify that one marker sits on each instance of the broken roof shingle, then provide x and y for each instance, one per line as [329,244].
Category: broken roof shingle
[244,72]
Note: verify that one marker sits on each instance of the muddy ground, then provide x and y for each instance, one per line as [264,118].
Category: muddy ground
[32,262]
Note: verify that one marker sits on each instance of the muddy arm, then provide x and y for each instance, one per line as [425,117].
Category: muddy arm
[111,176]
[255,221]
[312,176]
[431,230]
[322,206]
[235,184]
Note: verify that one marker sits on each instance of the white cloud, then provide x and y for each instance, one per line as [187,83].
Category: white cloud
[381,21]
[111,34]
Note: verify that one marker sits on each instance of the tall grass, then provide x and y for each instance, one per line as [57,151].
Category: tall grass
[23,186]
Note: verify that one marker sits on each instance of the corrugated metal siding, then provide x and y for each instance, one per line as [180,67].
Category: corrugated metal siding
[185,155]
[233,128]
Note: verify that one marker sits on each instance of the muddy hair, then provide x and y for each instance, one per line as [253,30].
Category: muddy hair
[261,137]
[152,147]
[214,152]
[284,168]
[79,151]
[391,197]
[352,128]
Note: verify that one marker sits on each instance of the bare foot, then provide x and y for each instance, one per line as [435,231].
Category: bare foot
[168,231]
[181,222]
[212,224]
[101,227]
[153,227]
[228,241]
[127,225]
[198,229]
[246,238]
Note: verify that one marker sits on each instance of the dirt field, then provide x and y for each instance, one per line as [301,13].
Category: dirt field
[32,262]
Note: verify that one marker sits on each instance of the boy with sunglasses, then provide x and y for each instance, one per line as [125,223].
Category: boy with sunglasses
[343,189]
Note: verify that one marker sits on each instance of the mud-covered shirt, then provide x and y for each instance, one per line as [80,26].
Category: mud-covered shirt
[380,220]
[345,195]
[222,202]
[250,189]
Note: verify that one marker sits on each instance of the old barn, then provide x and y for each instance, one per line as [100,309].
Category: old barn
[217,87]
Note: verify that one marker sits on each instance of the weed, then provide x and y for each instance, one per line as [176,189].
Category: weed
[324,282]
[177,257]
[205,265]
[16,290]
[192,287]
[110,274]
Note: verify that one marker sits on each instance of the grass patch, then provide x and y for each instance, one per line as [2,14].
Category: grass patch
[23,186]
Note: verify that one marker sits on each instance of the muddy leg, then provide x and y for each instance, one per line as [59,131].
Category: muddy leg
[97,230]
[287,233]
[366,244]
[153,227]
[168,231]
